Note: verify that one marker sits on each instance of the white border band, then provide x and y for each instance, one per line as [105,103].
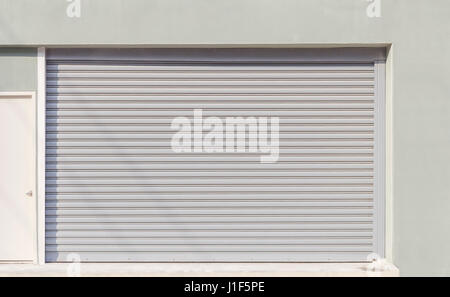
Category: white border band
[382,206]
[41,81]
[380,159]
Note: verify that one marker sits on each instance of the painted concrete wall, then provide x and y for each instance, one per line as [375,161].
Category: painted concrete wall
[18,69]
[419,31]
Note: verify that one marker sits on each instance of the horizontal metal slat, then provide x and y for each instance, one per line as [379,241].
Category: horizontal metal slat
[168,129]
[213,67]
[228,106]
[208,166]
[207,188]
[142,143]
[261,98]
[228,226]
[205,234]
[206,196]
[367,92]
[208,241]
[211,174]
[209,113]
[298,135]
[213,219]
[60,123]
[330,75]
[231,158]
[126,82]
[201,204]
[209,211]
[61,151]
[208,181]
[203,248]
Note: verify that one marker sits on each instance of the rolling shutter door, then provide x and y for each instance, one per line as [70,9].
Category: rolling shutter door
[116,192]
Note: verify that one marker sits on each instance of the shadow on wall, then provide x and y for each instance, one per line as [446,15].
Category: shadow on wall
[8,52]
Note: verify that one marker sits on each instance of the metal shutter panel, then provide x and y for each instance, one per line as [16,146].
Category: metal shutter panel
[116,192]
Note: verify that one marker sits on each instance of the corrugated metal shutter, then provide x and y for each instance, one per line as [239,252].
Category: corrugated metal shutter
[115,191]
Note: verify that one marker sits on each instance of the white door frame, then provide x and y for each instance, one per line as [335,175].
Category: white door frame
[384,80]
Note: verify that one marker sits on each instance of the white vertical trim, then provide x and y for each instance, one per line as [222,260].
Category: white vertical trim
[36,212]
[389,155]
[380,159]
[41,65]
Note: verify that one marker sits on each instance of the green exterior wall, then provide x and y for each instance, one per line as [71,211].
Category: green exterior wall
[418,30]
[18,69]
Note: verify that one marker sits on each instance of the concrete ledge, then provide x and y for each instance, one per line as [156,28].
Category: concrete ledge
[200,270]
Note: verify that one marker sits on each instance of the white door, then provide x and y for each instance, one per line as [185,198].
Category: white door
[17,178]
